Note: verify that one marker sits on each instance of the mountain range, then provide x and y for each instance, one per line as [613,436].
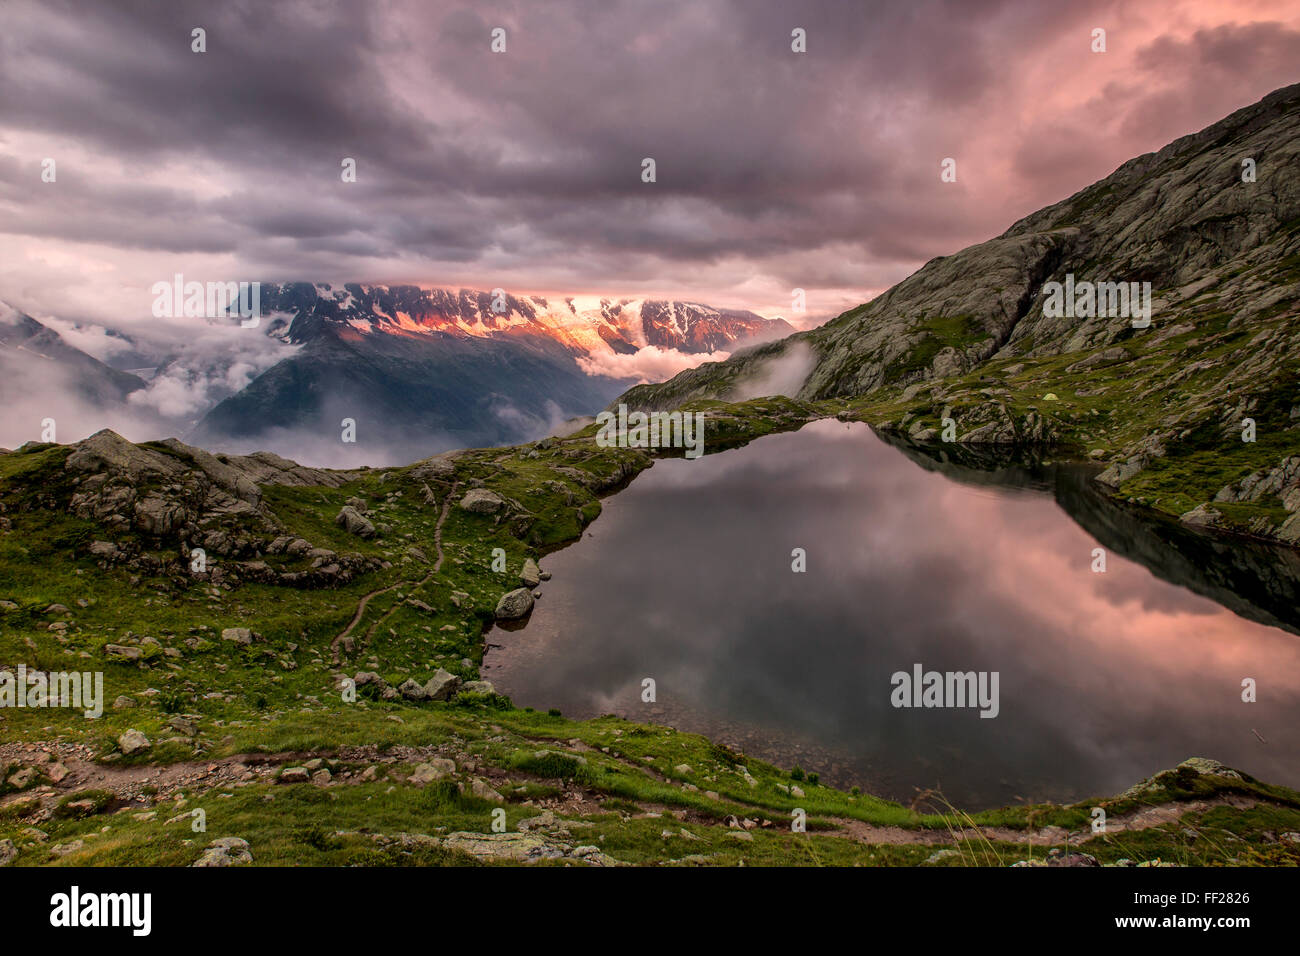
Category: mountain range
[418,370]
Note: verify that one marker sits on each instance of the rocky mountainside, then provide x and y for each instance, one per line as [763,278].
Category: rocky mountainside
[1212,222]
[31,352]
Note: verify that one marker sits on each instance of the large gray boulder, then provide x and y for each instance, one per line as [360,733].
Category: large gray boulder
[514,604]
[133,742]
[442,685]
[482,501]
[352,521]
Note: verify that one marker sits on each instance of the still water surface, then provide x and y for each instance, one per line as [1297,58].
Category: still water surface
[1104,678]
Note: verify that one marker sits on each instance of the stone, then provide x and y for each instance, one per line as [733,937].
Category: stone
[514,605]
[133,742]
[227,851]
[123,652]
[505,847]
[412,690]
[435,769]
[481,501]
[24,778]
[483,790]
[531,575]
[184,725]
[293,775]
[239,635]
[442,685]
[352,521]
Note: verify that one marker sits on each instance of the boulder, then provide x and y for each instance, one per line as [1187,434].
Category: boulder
[412,690]
[530,576]
[442,685]
[133,742]
[483,790]
[514,605]
[482,501]
[228,851]
[240,635]
[352,521]
[435,769]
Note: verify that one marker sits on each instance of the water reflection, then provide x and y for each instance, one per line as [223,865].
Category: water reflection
[1104,678]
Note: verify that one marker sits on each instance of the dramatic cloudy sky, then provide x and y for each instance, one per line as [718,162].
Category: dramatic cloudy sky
[522,169]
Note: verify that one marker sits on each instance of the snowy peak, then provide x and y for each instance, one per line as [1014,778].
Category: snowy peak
[299,312]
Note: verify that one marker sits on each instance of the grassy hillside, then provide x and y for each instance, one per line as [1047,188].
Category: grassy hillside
[263,737]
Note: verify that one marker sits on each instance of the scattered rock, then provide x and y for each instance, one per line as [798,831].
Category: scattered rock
[133,742]
[435,769]
[227,851]
[240,635]
[483,790]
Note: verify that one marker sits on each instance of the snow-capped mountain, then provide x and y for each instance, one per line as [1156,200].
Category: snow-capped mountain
[300,311]
[421,370]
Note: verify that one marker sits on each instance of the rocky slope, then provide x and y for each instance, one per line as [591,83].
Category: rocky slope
[34,353]
[968,338]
